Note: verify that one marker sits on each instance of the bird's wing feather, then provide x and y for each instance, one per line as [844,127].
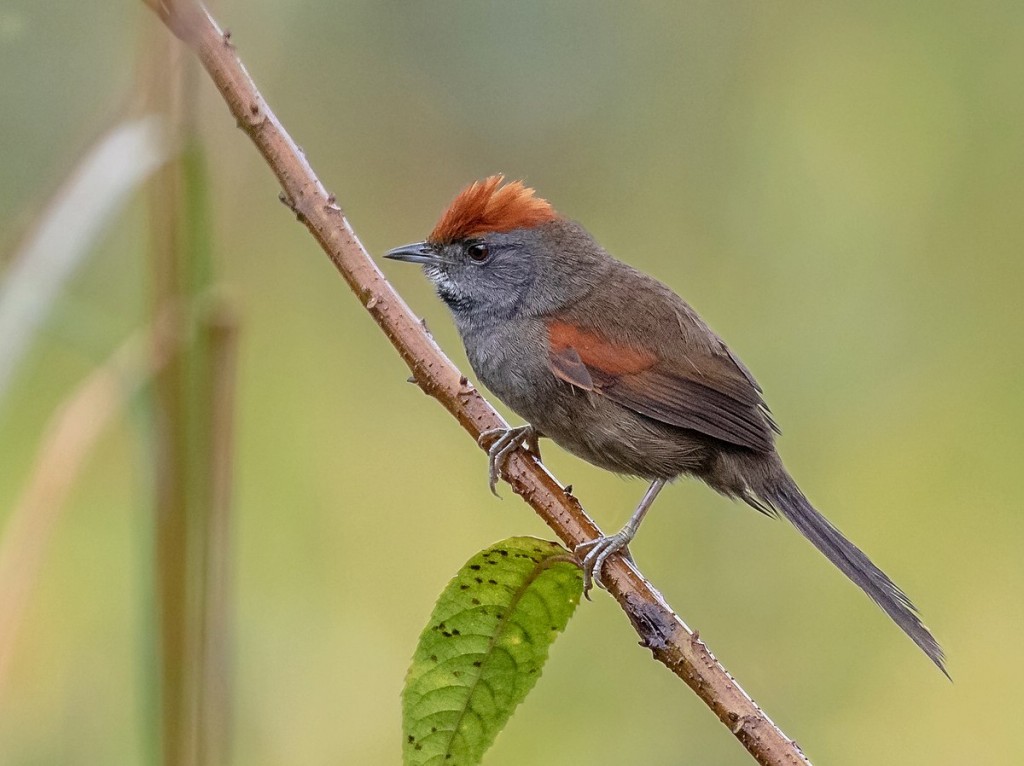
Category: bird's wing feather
[698,390]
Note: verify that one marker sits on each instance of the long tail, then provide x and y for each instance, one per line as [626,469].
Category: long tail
[783,495]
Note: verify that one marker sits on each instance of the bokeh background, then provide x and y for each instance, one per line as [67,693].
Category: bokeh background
[837,188]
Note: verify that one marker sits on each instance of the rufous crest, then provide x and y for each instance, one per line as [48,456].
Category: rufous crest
[491,205]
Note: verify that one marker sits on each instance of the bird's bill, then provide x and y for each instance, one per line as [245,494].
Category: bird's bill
[416,252]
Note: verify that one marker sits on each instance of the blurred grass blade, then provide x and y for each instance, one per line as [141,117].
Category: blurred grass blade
[219,336]
[70,436]
[192,409]
[67,229]
[484,648]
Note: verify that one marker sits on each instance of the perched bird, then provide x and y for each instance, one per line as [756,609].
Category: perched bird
[617,369]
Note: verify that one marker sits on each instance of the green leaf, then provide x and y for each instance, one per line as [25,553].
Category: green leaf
[484,648]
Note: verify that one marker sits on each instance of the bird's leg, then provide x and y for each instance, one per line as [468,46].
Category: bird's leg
[505,441]
[594,553]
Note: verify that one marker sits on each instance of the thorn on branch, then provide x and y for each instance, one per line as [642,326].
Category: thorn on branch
[287,201]
[466,389]
[421,384]
[738,722]
[227,39]
[254,116]
[331,206]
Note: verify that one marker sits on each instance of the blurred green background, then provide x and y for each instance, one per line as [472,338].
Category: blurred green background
[838,189]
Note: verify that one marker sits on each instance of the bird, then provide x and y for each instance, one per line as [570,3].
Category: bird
[617,369]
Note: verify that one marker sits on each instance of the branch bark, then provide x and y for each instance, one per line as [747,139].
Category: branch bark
[660,629]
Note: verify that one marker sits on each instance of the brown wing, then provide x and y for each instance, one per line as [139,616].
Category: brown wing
[717,397]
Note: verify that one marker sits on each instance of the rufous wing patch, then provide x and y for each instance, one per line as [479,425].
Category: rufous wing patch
[491,205]
[594,351]
[635,379]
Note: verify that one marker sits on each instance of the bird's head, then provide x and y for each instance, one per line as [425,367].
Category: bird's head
[498,250]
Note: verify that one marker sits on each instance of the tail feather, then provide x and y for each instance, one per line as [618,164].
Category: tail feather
[785,496]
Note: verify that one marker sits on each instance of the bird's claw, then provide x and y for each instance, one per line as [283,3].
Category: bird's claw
[505,441]
[593,554]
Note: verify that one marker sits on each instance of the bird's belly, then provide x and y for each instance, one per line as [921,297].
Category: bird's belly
[509,362]
[602,432]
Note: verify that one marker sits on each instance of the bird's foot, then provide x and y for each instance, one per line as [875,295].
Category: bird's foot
[594,553]
[505,441]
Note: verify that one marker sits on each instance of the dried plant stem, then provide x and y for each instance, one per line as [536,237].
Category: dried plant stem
[68,441]
[218,334]
[175,645]
[668,638]
[65,231]
[192,438]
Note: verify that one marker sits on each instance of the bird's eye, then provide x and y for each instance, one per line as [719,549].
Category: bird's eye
[478,252]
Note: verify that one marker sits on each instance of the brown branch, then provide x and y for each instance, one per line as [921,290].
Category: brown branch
[660,630]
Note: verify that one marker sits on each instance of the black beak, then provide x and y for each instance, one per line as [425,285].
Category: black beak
[416,252]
